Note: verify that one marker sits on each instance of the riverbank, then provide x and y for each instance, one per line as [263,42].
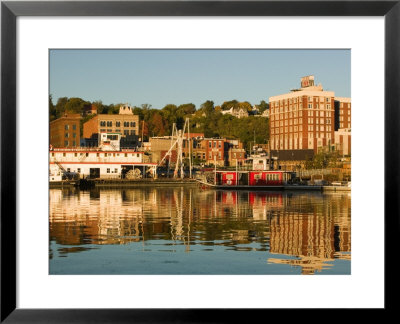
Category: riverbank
[124,183]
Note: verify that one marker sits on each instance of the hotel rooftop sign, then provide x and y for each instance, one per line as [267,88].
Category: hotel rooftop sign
[307,81]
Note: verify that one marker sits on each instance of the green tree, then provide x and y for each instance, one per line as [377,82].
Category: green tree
[229,104]
[187,109]
[207,107]
[60,106]
[245,105]
[52,109]
[262,106]
[75,105]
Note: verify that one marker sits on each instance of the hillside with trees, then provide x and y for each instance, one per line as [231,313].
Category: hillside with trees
[208,119]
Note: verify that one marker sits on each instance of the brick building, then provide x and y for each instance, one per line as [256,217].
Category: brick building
[160,145]
[236,153]
[89,109]
[303,119]
[342,113]
[343,125]
[343,141]
[125,123]
[221,151]
[65,131]
[216,151]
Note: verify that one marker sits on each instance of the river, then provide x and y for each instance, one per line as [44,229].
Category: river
[186,230]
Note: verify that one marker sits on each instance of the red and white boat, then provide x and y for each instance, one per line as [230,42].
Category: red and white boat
[258,175]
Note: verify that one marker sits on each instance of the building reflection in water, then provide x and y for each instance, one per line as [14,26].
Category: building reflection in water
[307,230]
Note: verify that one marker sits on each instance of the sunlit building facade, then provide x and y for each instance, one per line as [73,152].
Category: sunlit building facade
[303,119]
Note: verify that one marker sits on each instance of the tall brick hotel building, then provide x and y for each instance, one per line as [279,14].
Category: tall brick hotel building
[304,120]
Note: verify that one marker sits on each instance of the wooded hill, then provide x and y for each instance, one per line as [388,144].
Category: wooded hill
[208,119]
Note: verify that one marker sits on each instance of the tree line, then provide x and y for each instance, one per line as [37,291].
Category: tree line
[207,119]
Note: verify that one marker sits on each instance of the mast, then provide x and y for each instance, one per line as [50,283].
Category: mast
[190,149]
[142,131]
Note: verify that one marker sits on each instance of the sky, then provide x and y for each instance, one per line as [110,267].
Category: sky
[161,77]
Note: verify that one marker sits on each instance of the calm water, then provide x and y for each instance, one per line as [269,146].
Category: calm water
[192,231]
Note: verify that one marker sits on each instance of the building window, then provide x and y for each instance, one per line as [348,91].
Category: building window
[109,123]
[126,124]
[126,132]
[74,127]
[66,135]
[66,144]
[133,124]
[115,170]
[102,123]
[117,124]
[108,170]
[74,135]
[133,132]
[79,170]
[66,127]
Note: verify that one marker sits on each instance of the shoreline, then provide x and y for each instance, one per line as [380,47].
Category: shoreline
[120,183]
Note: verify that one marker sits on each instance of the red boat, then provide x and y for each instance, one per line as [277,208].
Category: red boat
[259,177]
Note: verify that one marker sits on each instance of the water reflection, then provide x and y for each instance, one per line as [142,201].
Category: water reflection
[303,230]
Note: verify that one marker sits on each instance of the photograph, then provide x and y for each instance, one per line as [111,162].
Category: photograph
[199,161]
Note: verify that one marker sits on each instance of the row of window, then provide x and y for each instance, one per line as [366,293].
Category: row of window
[295,100]
[341,118]
[110,171]
[210,155]
[341,112]
[126,131]
[298,107]
[66,127]
[214,144]
[310,106]
[299,135]
[68,143]
[291,129]
[295,114]
[109,123]
[75,154]
[319,120]
[67,135]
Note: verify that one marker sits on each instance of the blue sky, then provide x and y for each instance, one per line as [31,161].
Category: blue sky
[161,77]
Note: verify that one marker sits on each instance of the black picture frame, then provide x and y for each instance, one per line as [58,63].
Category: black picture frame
[10,10]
